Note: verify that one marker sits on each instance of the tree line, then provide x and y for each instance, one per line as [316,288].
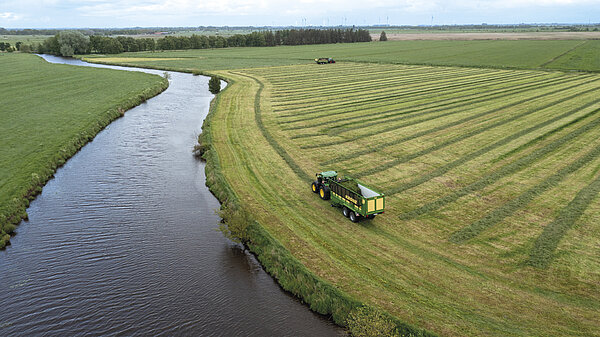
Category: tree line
[68,43]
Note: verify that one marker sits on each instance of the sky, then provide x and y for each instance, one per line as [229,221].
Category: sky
[193,13]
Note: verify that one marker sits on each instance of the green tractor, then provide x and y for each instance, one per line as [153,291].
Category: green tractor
[356,200]
[324,60]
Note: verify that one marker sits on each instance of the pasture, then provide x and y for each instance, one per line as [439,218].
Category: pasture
[492,178]
[556,55]
[48,112]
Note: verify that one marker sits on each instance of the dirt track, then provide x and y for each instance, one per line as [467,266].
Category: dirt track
[491,36]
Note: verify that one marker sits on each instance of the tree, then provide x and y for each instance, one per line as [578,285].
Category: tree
[382,37]
[214,85]
[73,42]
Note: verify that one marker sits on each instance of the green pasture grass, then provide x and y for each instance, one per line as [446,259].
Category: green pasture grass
[460,156]
[50,111]
[582,57]
[487,54]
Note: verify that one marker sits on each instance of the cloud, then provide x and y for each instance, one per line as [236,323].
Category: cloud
[9,16]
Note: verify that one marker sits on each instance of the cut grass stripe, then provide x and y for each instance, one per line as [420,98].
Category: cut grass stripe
[466,135]
[316,94]
[385,120]
[506,210]
[274,144]
[506,170]
[452,124]
[454,100]
[444,169]
[438,128]
[421,89]
[545,245]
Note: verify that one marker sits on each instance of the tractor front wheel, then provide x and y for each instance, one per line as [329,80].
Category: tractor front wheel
[353,216]
[325,193]
[315,187]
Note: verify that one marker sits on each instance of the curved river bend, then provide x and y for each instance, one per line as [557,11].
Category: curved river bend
[123,242]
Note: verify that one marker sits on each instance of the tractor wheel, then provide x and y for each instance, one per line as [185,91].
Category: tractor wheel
[346,211]
[353,216]
[325,193]
[371,216]
[315,187]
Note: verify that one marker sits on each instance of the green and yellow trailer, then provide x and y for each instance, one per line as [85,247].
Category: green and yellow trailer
[362,202]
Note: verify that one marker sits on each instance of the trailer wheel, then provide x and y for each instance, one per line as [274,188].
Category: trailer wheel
[371,216]
[315,187]
[325,193]
[353,217]
[346,211]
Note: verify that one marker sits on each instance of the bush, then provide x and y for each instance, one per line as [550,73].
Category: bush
[235,223]
[367,322]
[214,85]
[382,37]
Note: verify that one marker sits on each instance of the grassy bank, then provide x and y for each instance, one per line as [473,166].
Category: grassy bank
[48,113]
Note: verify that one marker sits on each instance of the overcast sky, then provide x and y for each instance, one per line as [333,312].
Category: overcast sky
[153,13]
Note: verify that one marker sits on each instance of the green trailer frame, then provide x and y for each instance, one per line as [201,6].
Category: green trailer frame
[355,206]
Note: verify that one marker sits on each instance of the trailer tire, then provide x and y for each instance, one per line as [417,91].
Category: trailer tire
[325,193]
[315,187]
[346,211]
[353,217]
[371,216]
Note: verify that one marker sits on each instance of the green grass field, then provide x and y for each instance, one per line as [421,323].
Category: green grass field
[48,112]
[492,178]
[557,55]
[490,161]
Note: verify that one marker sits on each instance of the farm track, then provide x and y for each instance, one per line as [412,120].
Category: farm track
[469,160]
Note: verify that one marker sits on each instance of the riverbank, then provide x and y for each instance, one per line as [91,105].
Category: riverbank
[51,112]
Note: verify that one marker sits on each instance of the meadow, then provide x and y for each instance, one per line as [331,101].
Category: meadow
[544,55]
[48,112]
[488,152]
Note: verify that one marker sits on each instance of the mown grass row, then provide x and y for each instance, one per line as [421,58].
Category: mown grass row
[544,247]
[444,126]
[317,91]
[387,96]
[465,99]
[473,155]
[423,99]
[280,150]
[508,169]
[475,132]
[520,202]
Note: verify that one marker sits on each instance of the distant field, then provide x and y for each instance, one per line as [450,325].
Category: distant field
[492,53]
[48,112]
[488,35]
[26,39]
[492,179]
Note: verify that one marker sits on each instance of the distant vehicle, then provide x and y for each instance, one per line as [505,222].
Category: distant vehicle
[324,60]
[354,198]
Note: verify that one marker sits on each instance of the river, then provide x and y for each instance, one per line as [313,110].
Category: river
[123,240]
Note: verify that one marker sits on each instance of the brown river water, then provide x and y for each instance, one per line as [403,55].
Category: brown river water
[123,240]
